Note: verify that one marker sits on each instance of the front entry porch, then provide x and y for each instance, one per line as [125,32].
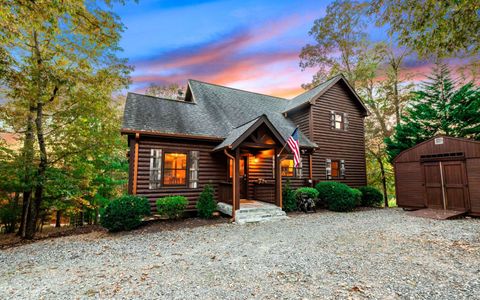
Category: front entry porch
[252,191]
[253,211]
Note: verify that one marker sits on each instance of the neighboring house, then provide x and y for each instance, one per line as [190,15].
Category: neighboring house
[230,138]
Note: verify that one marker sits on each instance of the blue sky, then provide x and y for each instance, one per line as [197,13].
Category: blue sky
[253,45]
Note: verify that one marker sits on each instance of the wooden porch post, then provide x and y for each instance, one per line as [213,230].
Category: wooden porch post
[278,179]
[236,178]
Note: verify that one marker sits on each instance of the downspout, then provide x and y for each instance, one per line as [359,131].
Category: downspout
[233,182]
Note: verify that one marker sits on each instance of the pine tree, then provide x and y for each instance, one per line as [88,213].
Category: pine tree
[439,107]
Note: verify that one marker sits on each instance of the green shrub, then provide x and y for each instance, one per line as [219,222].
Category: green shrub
[172,207]
[124,213]
[358,196]
[206,204]
[9,214]
[336,196]
[288,198]
[371,196]
[308,191]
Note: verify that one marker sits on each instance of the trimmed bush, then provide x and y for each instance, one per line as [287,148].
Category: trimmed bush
[172,207]
[206,204]
[288,197]
[308,191]
[336,196]
[124,213]
[358,196]
[371,196]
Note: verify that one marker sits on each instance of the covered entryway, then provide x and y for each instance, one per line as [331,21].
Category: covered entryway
[442,173]
[253,182]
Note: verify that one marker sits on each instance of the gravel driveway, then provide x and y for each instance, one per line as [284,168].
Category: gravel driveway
[383,254]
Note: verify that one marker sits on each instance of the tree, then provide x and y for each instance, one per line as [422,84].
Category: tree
[431,27]
[58,57]
[340,40]
[439,107]
[171,91]
[384,99]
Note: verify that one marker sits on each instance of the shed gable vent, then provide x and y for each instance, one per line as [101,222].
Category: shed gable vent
[439,141]
[441,155]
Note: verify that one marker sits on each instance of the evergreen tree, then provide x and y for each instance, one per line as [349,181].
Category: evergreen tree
[439,107]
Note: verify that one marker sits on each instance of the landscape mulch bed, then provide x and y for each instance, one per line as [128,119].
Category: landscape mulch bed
[12,240]
[154,225]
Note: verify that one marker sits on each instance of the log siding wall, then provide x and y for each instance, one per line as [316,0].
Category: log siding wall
[212,169]
[335,144]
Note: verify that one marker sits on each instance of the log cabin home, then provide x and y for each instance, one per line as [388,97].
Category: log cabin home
[231,139]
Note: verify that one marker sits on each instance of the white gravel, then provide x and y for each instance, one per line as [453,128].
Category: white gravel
[378,254]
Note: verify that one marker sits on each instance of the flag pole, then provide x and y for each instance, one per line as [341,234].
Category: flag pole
[284,145]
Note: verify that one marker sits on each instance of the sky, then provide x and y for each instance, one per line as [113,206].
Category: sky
[252,44]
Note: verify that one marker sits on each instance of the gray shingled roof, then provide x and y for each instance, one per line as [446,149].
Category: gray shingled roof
[217,111]
[310,94]
[235,134]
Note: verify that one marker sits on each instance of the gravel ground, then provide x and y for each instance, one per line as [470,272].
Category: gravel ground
[378,254]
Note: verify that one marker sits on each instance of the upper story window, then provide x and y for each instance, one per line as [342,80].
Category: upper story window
[339,120]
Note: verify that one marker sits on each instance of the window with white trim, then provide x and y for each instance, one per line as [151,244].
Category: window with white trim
[335,169]
[339,121]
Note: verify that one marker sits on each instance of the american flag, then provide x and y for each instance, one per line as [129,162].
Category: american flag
[294,146]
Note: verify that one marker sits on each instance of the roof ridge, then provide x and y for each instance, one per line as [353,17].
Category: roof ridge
[160,98]
[325,81]
[235,89]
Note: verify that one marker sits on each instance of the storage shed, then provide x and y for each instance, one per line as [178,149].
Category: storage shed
[440,173]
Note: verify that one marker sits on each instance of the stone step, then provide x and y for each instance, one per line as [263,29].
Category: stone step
[260,220]
[259,215]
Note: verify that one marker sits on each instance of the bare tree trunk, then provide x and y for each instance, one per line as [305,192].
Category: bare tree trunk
[28,166]
[384,181]
[42,167]
[58,218]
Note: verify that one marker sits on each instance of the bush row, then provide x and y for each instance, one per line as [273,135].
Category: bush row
[127,212]
[334,196]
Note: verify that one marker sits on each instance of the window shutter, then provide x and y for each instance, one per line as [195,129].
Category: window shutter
[299,169]
[328,168]
[273,167]
[345,121]
[332,119]
[193,172]
[342,168]
[155,168]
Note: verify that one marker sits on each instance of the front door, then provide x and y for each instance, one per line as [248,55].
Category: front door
[446,185]
[243,177]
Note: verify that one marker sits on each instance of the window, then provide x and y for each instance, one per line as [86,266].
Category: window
[286,167]
[339,121]
[175,168]
[242,168]
[335,169]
